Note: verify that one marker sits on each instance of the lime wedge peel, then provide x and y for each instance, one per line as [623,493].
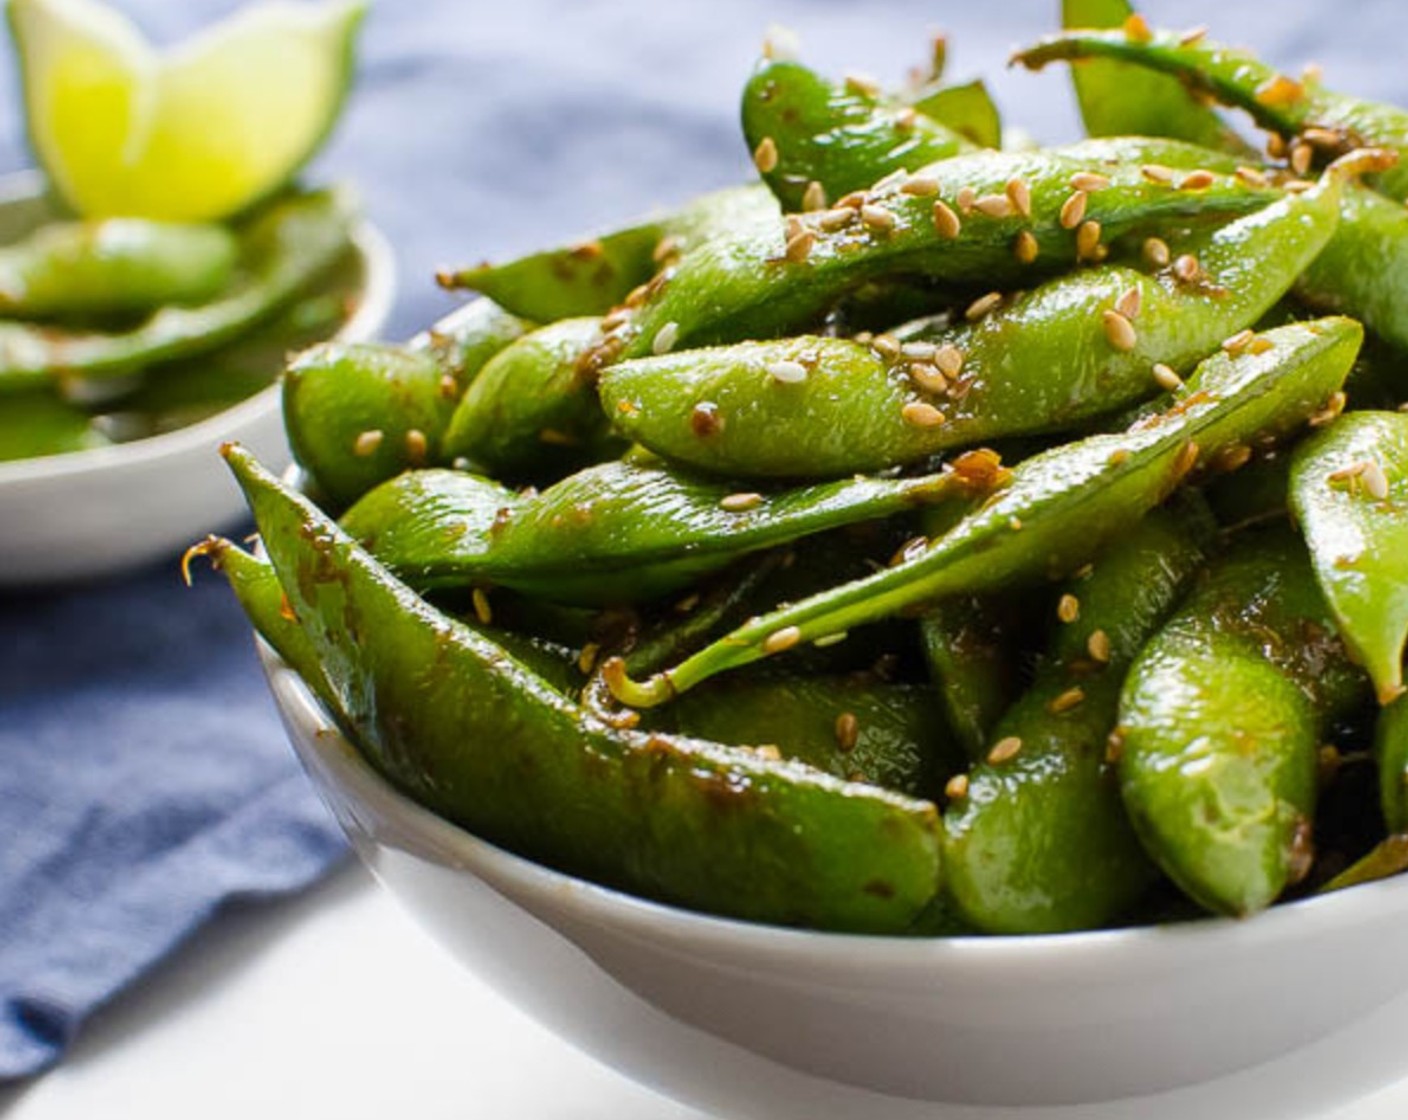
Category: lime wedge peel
[197,133]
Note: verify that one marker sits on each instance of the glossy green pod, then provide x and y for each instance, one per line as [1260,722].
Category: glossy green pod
[116,267]
[744,285]
[967,109]
[533,408]
[1039,841]
[1075,347]
[1349,493]
[1391,749]
[1060,505]
[471,733]
[971,654]
[39,422]
[613,533]
[593,275]
[1220,723]
[283,250]
[804,129]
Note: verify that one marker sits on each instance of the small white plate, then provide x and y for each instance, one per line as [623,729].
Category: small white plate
[98,512]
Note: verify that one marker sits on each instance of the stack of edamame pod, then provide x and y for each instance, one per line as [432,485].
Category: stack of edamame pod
[931,538]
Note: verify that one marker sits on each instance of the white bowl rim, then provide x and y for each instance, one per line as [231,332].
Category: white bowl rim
[373,308]
[607,905]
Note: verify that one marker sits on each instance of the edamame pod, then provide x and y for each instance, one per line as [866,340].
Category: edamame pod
[969,650]
[39,422]
[1061,505]
[1036,839]
[1220,723]
[1391,750]
[1349,487]
[112,268]
[803,129]
[966,109]
[467,730]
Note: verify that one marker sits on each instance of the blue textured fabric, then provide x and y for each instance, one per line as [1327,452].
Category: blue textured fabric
[144,779]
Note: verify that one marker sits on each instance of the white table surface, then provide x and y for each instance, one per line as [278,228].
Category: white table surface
[337,1005]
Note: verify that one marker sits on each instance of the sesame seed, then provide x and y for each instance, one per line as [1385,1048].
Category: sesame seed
[793,226]
[847,731]
[1199,180]
[1322,137]
[1156,251]
[1069,699]
[827,640]
[906,119]
[781,44]
[1301,155]
[1260,345]
[945,220]
[886,345]
[769,751]
[1345,474]
[920,350]
[965,199]
[1251,176]
[1015,524]
[1136,30]
[482,610]
[855,200]
[1089,181]
[1019,195]
[862,84]
[1068,608]
[448,387]
[367,442]
[787,371]
[1193,35]
[668,246]
[921,186]
[982,306]
[1004,750]
[615,318]
[1129,303]
[1233,458]
[1166,378]
[741,502]
[1375,481]
[587,250]
[1187,459]
[921,414]
[417,447]
[877,217]
[1098,646]
[1187,268]
[993,205]
[1157,173]
[1279,92]
[1114,746]
[665,338]
[1119,331]
[1117,456]
[1025,247]
[765,155]
[839,218]
[1296,186]
[956,788]
[949,359]
[814,197]
[586,660]
[1238,342]
[1275,146]
[1087,239]
[783,639]
[705,419]
[799,248]
[1333,407]
[928,377]
[1073,210]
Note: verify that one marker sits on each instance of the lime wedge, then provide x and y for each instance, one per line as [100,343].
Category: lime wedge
[194,134]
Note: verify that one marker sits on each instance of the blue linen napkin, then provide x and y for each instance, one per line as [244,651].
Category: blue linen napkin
[144,778]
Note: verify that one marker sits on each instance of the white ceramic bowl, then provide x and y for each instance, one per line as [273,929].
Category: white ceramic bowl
[91,513]
[752,1021]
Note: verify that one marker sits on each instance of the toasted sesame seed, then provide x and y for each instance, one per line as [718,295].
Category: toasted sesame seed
[920,350]
[667,247]
[740,502]
[993,205]
[1233,457]
[1119,331]
[838,218]
[1199,180]
[1004,750]
[1333,407]
[945,220]
[787,371]
[1068,608]
[1322,137]
[906,119]
[956,788]
[1345,474]
[1087,239]
[1166,378]
[1073,209]
[1157,173]
[1187,268]
[1260,345]
[1025,247]
[1114,746]
[793,226]
[855,200]
[587,250]
[1020,195]
[665,338]
[1375,481]
[862,84]
[982,306]
[922,186]
[877,217]
[1136,29]
[586,660]
[1238,342]
[827,640]
[615,318]
[783,639]
[1193,35]
[1089,181]
[1117,456]
[965,199]
[482,611]
[1275,145]
[1279,92]
[417,447]
[1098,646]
[847,731]
[1069,699]
[921,414]
[1251,176]
[799,248]
[1301,155]
[949,359]
[1156,251]
[765,155]
[1187,459]
[928,377]
[886,345]
[814,197]
[367,442]
[1015,524]
[705,419]
[1129,303]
